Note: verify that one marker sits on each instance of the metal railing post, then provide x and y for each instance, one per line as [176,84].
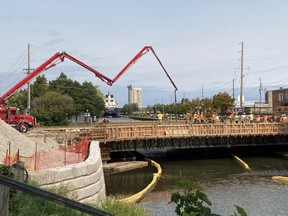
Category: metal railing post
[4,200]
[20,167]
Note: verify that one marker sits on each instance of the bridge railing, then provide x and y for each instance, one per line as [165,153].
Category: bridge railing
[146,131]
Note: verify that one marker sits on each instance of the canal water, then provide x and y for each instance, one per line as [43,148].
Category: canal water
[224,181]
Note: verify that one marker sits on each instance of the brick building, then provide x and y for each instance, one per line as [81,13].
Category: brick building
[278,99]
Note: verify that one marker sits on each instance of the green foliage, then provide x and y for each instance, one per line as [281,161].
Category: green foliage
[62,84]
[240,211]
[6,170]
[28,205]
[85,96]
[19,100]
[207,106]
[192,201]
[90,98]
[39,87]
[53,108]
[222,101]
[119,208]
[129,109]
[50,108]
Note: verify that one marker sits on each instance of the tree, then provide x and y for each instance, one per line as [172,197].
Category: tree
[222,101]
[53,108]
[90,98]
[185,106]
[63,84]
[158,108]
[86,96]
[129,109]
[19,99]
[39,87]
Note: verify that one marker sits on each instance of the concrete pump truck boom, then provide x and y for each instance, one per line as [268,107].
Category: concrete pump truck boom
[23,123]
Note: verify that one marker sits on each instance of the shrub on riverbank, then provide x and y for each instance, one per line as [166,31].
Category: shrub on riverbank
[28,205]
[24,204]
[120,208]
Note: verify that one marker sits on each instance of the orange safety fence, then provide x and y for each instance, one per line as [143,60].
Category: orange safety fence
[79,147]
[70,154]
[10,159]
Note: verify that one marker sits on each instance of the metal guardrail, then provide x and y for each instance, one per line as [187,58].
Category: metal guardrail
[25,188]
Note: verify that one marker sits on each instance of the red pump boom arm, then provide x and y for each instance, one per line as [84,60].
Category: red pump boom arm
[52,61]
[137,57]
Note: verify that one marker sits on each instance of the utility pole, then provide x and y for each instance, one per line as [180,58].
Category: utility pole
[28,69]
[241,76]
[260,92]
[202,93]
[233,90]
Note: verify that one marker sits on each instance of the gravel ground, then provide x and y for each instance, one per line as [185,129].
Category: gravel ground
[17,140]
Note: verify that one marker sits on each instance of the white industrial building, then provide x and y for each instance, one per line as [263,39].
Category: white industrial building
[135,96]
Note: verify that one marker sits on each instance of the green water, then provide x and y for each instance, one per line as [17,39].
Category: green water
[224,180]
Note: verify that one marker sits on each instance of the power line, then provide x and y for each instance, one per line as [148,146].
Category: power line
[270,69]
[266,48]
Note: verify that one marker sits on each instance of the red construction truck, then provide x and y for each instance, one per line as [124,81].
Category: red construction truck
[12,116]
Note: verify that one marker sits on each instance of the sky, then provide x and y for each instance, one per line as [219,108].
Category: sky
[198,42]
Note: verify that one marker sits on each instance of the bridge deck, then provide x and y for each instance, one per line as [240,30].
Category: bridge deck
[115,133]
[184,136]
[138,136]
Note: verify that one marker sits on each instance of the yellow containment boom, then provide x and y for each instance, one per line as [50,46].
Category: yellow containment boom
[242,163]
[140,195]
[280,179]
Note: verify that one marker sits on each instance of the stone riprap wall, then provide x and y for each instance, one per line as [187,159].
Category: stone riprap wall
[84,181]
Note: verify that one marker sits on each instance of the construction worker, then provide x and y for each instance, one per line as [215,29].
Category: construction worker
[195,117]
[201,118]
[251,117]
[265,118]
[213,118]
[188,117]
[160,117]
[258,118]
[231,117]
[243,117]
[236,117]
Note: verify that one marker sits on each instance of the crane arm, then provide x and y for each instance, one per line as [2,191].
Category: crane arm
[47,64]
[52,61]
[143,51]
[105,79]
[175,87]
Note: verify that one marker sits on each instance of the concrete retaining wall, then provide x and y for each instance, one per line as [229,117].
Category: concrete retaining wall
[85,180]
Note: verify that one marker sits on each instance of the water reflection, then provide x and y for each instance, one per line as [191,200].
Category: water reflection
[225,182]
[130,182]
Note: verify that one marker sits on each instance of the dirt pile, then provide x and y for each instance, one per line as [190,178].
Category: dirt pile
[17,140]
